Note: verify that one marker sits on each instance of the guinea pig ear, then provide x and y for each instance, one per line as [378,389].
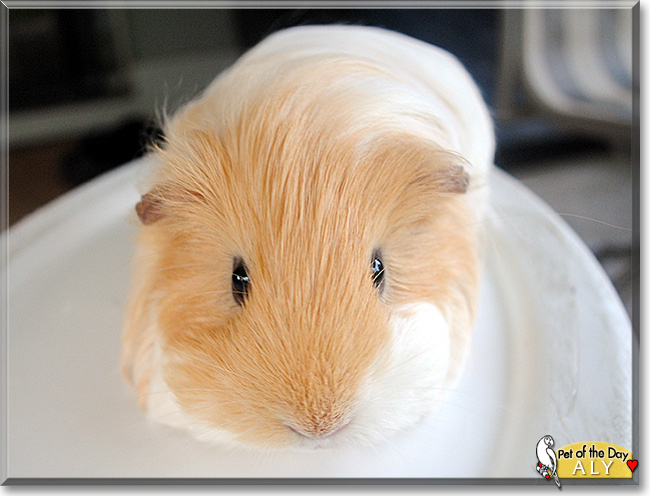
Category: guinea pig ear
[149,208]
[451,177]
[438,170]
[441,171]
[154,205]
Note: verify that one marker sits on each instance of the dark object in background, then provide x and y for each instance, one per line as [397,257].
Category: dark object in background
[75,54]
[100,153]
[521,148]
[470,34]
[60,56]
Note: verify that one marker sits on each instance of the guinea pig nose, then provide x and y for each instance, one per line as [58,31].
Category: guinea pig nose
[317,431]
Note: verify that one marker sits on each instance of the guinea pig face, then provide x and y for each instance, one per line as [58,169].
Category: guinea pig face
[299,286]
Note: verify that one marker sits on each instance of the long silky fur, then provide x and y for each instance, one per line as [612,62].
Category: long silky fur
[303,162]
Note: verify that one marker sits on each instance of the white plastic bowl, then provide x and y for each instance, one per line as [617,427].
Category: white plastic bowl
[551,355]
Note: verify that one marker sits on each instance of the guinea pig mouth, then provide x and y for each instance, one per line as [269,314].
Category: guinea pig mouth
[317,436]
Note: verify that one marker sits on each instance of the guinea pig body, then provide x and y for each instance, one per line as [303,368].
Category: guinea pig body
[307,271]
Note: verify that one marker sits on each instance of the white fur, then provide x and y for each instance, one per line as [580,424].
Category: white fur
[439,88]
[426,92]
[402,386]
[163,408]
[405,385]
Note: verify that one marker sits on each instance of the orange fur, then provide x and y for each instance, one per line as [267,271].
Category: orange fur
[303,180]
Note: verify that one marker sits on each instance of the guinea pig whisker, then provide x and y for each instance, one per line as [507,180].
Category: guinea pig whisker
[213,365]
[207,293]
[497,215]
[170,390]
[507,215]
[583,217]
[144,256]
[184,266]
[194,409]
[172,267]
[179,412]
[400,364]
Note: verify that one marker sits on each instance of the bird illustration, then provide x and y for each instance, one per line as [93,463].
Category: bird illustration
[547,461]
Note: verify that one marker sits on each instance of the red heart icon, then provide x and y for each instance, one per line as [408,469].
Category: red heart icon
[632,464]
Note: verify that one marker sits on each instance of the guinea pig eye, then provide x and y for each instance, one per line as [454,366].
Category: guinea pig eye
[377,269]
[240,282]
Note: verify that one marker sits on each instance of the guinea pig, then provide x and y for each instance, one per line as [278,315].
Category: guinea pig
[307,270]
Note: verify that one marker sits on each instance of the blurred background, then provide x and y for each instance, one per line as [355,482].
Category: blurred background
[86,86]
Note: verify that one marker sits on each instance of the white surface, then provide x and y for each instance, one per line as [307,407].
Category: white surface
[551,355]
